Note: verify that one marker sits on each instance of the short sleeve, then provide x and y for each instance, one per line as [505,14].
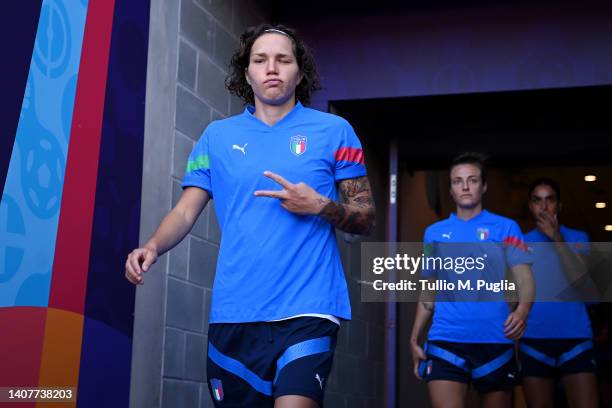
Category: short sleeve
[197,173]
[428,269]
[517,252]
[348,154]
[580,243]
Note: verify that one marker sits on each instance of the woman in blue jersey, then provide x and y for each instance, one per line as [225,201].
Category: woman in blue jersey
[471,341]
[558,340]
[274,172]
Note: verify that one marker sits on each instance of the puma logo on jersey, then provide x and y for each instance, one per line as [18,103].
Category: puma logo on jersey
[242,149]
[320,380]
[447,236]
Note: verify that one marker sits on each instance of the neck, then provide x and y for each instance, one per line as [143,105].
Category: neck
[271,114]
[466,214]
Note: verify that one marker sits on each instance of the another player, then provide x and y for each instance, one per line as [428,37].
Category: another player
[558,340]
[471,341]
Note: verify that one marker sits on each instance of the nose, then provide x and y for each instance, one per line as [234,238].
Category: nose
[466,186]
[271,67]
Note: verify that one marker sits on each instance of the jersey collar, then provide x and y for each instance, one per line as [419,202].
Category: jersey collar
[249,112]
[478,217]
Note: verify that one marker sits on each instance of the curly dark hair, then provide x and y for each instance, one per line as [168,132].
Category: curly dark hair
[236,80]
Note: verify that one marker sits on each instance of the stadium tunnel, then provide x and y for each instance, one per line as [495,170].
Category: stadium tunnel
[558,133]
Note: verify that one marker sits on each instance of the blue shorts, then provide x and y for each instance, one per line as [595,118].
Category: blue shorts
[487,366]
[252,364]
[549,358]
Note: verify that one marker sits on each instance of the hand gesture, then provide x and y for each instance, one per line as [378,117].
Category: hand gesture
[548,224]
[298,198]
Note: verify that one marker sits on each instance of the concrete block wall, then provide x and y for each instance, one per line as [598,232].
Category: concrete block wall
[190,45]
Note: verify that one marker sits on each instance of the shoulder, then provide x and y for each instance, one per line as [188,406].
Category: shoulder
[532,236]
[219,127]
[229,122]
[437,226]
[573,235]
[501,220]
[329,119]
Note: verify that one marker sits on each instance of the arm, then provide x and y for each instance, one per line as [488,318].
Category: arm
[170,232]
[515,324]
[356,214]
[424,311]
[574,265]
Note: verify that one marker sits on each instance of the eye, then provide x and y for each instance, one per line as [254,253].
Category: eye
[258,61]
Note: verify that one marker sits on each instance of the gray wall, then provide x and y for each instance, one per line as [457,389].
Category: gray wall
[190,45]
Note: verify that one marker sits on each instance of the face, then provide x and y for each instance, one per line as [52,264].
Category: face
[467,187]
[543,199]
[273,72]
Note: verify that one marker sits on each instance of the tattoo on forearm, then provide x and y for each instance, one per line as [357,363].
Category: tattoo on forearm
[363,201]
[356,214]
[353,187]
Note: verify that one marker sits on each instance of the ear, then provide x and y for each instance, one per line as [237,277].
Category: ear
[484,188]
[246,76]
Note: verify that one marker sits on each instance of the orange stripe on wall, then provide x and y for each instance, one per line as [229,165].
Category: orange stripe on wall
[61,355]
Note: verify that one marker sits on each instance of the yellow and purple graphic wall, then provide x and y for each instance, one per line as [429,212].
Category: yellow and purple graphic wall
[72,124]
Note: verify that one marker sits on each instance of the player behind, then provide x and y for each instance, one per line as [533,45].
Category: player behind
[471,342]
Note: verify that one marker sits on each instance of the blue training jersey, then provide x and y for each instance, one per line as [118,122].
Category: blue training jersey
[496,239]
[272,263]
[556,320]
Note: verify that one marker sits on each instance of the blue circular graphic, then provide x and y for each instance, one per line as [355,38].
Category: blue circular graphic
[12,238]
[42,173]
[53,41]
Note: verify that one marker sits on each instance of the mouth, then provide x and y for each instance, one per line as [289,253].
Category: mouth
[273,82]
